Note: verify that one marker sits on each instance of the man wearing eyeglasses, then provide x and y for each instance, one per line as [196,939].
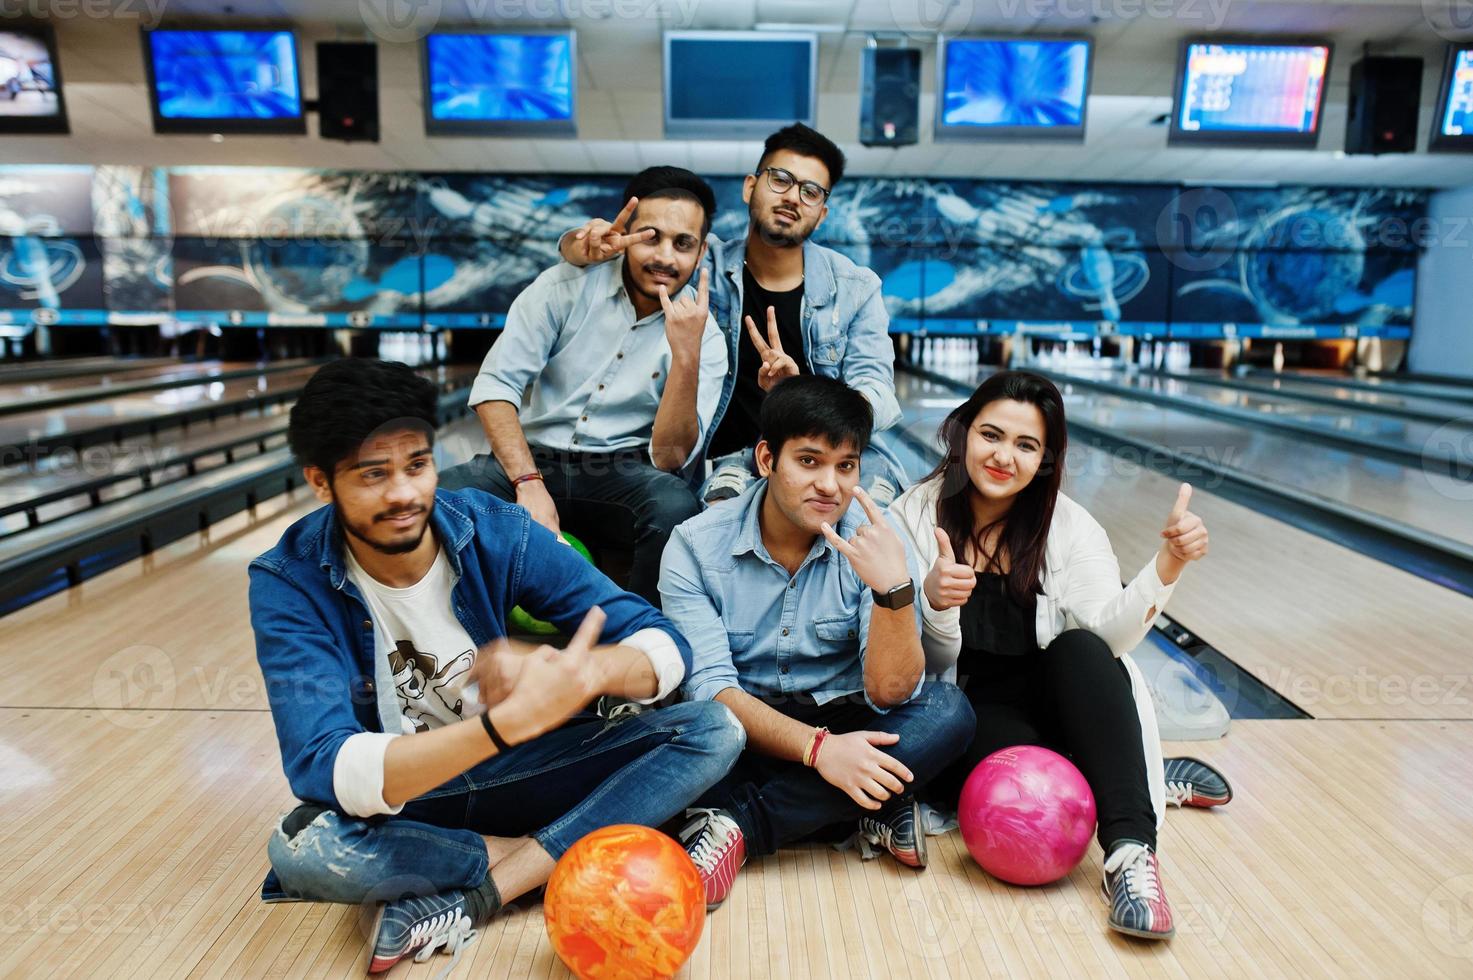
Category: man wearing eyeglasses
[788,307]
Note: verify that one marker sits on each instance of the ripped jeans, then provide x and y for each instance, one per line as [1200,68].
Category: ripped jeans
[556,788]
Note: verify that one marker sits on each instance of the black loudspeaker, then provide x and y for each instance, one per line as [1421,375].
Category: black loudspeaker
[1382,114]
[890,97]
[347,90]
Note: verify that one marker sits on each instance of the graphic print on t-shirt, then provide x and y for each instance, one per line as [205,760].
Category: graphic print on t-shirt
[430,694]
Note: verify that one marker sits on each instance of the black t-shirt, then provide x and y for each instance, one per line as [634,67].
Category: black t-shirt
[994,624]
[740,426]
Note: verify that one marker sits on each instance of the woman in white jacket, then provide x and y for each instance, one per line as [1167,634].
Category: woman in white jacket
[1023,610]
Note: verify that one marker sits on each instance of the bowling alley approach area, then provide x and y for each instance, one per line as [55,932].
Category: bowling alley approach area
[749,489]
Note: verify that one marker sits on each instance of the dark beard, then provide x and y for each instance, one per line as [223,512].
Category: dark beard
[778,238]
[403,548]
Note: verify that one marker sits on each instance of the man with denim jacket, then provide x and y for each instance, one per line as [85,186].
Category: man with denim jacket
[441,771]
[787,306]
[800,611]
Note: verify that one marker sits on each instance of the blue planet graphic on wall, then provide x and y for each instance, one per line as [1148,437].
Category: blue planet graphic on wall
[1309,265]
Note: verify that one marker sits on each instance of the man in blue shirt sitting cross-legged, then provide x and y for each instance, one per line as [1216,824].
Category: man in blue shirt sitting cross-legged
[800,612]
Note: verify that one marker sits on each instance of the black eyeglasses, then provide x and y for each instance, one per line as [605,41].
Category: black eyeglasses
[809,192]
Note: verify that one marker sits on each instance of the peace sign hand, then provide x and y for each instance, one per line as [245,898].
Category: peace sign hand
[1185,536]
[776,365]
[875,551]
[949,583]
[600,240]
[685,318]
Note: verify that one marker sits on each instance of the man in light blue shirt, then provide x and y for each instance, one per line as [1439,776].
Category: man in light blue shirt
[800,612]
[625,365]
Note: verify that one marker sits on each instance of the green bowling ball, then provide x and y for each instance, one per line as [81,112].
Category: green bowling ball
[521,621]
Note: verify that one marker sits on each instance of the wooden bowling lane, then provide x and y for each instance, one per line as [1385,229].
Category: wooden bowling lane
[1346,399]
[1338,633]
[16,430]
[71,367]
[124,372]
[177,621]
[63,468]
[137,848]
[1445,391]
[1414,436]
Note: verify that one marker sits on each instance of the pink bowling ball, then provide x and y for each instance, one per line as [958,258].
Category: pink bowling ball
[1026,815]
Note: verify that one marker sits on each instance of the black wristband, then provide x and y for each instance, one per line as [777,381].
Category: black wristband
[898,597]
[496,738]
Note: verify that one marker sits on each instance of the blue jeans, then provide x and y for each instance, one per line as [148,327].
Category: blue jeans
[777,802]
[588,774]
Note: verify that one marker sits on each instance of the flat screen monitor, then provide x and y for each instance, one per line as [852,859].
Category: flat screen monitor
[210,81]
[1452,123]
[1263,94]
[1012,88]
[500,84]
[738,84]
[30,82]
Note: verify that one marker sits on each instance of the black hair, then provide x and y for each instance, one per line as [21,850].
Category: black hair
[1026,524]
[350,399]
[675,183]
[809,142]
[812,405]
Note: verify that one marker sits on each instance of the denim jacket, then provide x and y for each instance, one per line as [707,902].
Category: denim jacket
[315,636]
[846,328]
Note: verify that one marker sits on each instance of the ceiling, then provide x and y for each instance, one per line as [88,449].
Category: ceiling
[619,95]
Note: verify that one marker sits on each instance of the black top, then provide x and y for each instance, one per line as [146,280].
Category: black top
[740,427]
[993,624]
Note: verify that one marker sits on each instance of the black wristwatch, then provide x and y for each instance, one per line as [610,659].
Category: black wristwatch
[897,598]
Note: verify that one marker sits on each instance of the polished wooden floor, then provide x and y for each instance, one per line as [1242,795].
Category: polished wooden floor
[139,775]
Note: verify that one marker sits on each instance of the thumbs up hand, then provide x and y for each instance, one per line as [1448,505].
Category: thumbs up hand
[949,583]
[1183,539]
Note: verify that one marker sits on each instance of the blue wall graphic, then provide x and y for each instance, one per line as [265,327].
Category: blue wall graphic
[261,246]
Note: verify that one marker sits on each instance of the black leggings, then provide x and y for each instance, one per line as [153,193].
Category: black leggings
[1073,697]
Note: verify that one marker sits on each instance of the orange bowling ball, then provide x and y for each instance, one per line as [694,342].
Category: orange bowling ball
[625,902]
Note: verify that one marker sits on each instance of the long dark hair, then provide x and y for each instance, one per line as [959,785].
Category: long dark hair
[1025,526]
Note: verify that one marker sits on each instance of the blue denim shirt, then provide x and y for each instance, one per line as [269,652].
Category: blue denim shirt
[315,637]
[846,328]
[753,627]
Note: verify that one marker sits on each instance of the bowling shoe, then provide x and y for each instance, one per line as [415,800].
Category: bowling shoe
[717,848]
[421,926]
[1192,782]
[1132,886]
[898,829]
[728,482]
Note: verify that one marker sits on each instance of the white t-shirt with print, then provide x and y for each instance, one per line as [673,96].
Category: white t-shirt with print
[430,653]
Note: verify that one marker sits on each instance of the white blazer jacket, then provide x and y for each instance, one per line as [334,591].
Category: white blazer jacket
[1081,588]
